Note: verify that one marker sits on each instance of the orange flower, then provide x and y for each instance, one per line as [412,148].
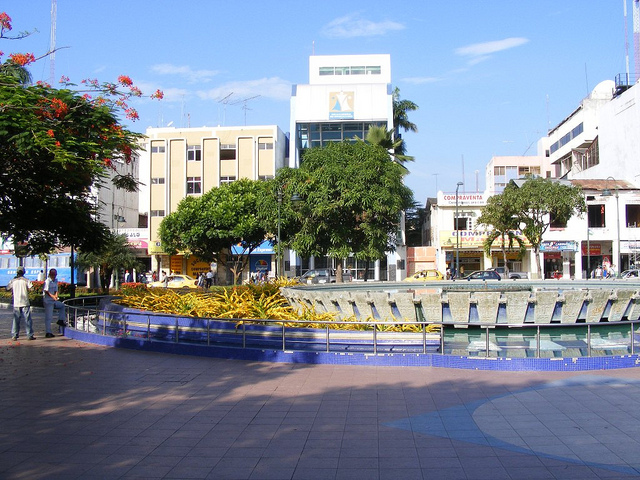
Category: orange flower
[50,133]
[22,59]
[125,80]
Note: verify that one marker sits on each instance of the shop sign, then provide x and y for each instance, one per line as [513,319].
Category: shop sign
[561,246]
[155,248]
[629,246]
[195,266]
[473,238]
[464,199]
[595,248]
[265,248]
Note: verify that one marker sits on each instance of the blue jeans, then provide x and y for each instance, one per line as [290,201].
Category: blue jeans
[18,313]
[49,305]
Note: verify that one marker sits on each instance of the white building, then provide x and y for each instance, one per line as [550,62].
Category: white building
[346,94]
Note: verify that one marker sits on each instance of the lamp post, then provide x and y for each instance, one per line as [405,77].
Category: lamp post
[278,252]
[458,185]
[607,193]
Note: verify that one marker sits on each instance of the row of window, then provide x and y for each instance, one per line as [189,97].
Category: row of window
[194,152]
[311,135]
[357,70]
[567,138]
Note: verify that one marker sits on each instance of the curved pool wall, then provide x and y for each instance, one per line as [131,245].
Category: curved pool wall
[482,303]
[151,332]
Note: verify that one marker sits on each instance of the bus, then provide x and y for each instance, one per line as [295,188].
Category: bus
[33,265]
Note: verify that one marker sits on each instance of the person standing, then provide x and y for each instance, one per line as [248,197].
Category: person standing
[50,300]
[20,286]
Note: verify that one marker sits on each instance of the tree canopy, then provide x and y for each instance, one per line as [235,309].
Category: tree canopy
[353,197]
[500,217]
[210,225]
[537,201]
[55,145]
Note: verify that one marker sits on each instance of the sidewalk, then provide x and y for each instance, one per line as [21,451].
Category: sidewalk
[74,410]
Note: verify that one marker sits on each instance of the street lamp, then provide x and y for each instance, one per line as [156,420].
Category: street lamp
[607,193]
[458,185]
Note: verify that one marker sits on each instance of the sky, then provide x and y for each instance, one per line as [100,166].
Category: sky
[489,77]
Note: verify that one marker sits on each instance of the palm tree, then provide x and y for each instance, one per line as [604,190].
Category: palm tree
[115,254]
[15,71]
[401,108]
[378,135]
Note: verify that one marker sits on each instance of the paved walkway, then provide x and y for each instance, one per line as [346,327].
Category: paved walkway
[72,410]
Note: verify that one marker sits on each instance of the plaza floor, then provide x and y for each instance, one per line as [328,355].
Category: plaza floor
[73,410]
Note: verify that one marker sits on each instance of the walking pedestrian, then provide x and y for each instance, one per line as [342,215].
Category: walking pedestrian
[20,286]
[50,300]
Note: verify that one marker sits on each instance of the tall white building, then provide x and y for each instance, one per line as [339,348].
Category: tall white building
[346,94]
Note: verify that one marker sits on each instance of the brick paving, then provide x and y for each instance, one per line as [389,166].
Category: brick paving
[79,411]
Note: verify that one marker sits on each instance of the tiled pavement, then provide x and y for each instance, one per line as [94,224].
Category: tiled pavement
[73,410]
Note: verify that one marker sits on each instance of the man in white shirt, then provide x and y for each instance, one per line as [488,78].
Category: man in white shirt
[21,305]
[50,300]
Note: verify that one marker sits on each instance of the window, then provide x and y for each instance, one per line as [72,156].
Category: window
[194,185]
[265,146]
[633,216]
[157,181]
[326,71]
[522,171]
[556,223]
[157,149]
[461,223]
[194,153]
[227,152]
[227,179]
[157,213]
[595,214]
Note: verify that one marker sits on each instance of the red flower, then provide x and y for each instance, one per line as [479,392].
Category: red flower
[50,133]
[125,80]
[5,21]
[22,59]
[158,94]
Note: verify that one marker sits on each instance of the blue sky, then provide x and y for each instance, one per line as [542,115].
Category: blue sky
[490,77]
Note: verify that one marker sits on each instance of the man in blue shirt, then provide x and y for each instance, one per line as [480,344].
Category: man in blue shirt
[50,300]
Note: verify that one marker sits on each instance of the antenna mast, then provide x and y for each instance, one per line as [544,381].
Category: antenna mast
[244,106]
[52,42]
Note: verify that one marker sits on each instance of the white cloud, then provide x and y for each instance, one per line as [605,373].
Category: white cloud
[273,88]
[192,76]
[352,25]
[479,51]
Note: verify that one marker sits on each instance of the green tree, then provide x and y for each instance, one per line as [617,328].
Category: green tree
[536,201]
[55,145]
[114,254]
[210,225]
[401,109]
[353,196]
[501,218]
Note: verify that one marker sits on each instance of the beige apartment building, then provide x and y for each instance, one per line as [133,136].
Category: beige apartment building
[178,162]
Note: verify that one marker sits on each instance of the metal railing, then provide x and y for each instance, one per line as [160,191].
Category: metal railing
[527,340]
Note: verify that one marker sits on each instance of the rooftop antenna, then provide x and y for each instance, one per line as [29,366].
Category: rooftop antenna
[224,101]
[52,42]
[244,106]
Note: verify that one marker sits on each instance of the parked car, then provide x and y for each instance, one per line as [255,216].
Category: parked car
[324,275]
[176,281]
[512,274]
[633,273]
[425,276]
[483,275]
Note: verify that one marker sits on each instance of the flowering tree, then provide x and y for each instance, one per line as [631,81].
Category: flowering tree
[55,144]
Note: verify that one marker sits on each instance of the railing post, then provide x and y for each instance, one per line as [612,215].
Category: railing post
[442,339]
[104,323]
[424,338]
[487,342]
[375,339]
[328,349]
[284,340]
[588,340]
[244,335]
[632,340]
[538,341]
